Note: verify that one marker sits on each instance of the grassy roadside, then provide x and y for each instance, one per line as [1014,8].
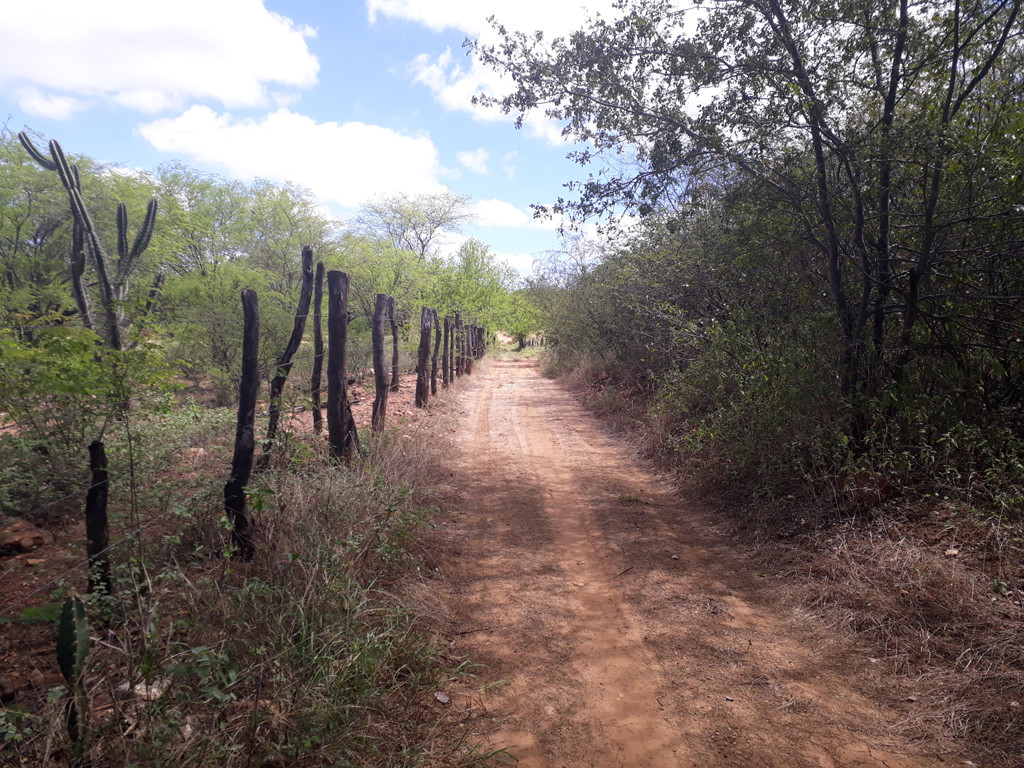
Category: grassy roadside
[928,584]
[303,656]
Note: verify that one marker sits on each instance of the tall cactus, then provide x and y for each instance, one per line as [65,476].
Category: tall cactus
[86,241]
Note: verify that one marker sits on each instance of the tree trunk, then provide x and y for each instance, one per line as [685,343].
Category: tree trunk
[245,439]
[341,428]
[380,368]
[318,348]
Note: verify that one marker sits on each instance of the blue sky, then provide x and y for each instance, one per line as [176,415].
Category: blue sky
[350,98]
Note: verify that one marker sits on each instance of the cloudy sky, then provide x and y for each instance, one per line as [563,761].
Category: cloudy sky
[350,98]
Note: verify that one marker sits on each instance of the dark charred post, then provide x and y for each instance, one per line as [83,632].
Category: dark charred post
[97,536]
[284,363]
[380,367]
[154,292]
[481,345]
[341,428]
[446,353]
[423,357]
[394,345]
[245,439]
[458,344]
[467,353]
[318,348]
[433,360]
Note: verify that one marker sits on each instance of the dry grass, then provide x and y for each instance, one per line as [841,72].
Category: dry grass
[951,644]
[303,656]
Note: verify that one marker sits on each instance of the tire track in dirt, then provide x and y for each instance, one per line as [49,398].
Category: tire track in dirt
[612,630]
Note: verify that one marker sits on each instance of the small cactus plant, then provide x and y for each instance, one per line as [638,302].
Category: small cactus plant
[72,652]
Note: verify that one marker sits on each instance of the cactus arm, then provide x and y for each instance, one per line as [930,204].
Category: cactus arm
[146,232]
[84,238]
[122,230]
[34,152]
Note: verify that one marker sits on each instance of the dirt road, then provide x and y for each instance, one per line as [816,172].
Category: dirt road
[613,628]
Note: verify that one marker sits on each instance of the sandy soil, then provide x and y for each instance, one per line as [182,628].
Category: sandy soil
[615,628]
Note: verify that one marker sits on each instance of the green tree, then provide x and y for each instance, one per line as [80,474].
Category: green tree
[863,124]
[474,282]
[413,223]
[202,223]
[280,221]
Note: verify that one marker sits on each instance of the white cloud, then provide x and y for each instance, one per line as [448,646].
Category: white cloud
[475,161]
[454,85]
[345,163]
[523,263]
[152,57]
[470,16]
[499,213]
[506,164]
[55,107]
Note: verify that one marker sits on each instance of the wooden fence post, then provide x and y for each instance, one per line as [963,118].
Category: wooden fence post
[423,356]
[380,368]
[445,355]
[458,344]
[245,439]
[284,363]
[433,360]
[468,356]
[341,428]
[318,348]
[97,536]
[394,345]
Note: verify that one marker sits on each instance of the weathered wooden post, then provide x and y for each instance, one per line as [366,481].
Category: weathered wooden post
[446,354]
[423,357]
[97,536]
[341,428]
[284,363]
[467,355]
[433,360]
[380,368]
[245,439]
[458,344]
[318,348]
[394,345]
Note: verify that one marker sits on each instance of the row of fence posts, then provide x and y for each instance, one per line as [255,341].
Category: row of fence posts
[461,347]
[447,350]
[456,343]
